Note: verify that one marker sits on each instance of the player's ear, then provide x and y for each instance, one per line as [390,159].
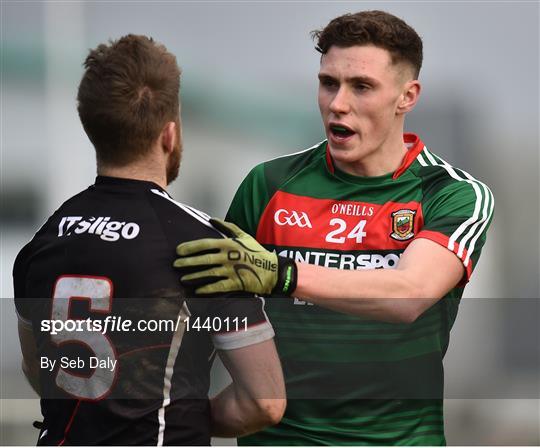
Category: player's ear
[169,136]
[409,96]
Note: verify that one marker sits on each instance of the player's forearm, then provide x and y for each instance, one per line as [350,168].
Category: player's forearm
[386,295]
[426,272]
[233,414]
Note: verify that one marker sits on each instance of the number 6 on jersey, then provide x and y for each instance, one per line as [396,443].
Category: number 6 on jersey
[98,292]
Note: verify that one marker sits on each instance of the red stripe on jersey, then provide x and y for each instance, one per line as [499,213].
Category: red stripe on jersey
[291,220]
[329,162]
[68,427]
[443,240]
[415,147]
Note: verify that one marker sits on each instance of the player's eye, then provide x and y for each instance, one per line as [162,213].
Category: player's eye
[362,87]
[328,82]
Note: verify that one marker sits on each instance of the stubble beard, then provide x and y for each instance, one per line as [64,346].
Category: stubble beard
[173,164]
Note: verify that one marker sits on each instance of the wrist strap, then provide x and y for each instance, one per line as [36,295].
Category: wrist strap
[287,276]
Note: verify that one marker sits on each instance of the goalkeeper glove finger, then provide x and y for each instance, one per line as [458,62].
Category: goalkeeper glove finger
[243,264]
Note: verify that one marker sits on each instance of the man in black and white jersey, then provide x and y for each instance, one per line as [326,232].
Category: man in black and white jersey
[96,281]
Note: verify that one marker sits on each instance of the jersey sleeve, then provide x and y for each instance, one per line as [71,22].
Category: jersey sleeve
[24,305]
[242,320]
[249,201]
[458,217]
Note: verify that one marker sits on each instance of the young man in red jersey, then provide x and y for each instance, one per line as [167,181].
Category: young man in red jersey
[369,226]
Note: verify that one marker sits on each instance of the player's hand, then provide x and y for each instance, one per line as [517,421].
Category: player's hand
[233,264]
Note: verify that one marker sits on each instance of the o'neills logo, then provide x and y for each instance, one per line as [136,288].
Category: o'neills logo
[351,209]
[235,255]
[403,224]
[284,217]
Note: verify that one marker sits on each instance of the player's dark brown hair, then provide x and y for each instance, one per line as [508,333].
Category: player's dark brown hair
[129,91]
[377,28]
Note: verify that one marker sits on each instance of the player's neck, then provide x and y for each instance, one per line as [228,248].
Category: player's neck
[141,170]
[384,159]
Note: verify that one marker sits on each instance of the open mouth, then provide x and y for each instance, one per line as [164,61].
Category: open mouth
[340,132]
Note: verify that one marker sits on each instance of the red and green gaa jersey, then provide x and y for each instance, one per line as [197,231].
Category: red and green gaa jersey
[352,380]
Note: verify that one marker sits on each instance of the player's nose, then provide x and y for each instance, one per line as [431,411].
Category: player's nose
[340,103]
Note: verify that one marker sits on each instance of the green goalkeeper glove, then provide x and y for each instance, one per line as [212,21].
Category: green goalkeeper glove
[234,264]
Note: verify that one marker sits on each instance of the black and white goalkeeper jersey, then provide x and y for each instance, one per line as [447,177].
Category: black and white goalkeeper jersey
[124,354]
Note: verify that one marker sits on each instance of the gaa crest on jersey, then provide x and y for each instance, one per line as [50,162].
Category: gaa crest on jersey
[403,224]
